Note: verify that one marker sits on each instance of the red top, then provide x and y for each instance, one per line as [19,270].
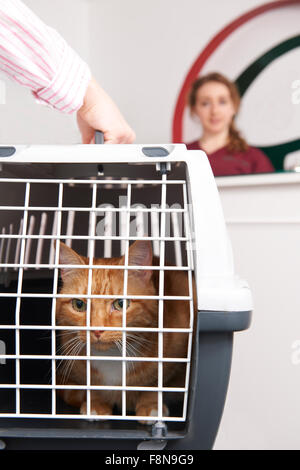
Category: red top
[225,163]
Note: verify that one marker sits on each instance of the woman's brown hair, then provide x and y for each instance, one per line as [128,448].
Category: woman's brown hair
[236,142]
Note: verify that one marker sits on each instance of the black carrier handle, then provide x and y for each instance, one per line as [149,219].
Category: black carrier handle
[99,140]
[148,151]
[7,151]
[99,137]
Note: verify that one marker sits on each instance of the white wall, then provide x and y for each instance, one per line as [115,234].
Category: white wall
[138,50]
[142,50]
[21,119]
[262,408]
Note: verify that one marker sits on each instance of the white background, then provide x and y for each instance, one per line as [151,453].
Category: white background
[140,51]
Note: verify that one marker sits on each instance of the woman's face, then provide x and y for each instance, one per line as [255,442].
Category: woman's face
[214,107]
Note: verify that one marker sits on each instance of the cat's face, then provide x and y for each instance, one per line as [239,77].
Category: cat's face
[107,312]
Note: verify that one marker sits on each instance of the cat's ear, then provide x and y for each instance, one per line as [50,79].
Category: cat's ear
[67,256]
[140,254]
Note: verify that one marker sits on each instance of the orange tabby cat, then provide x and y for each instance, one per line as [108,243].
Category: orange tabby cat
[108,313]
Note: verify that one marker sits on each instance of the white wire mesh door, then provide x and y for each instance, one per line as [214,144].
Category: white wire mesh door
[115,241]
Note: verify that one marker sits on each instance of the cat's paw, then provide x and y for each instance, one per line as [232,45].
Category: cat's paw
[97,408]
[72,397]
[150,410]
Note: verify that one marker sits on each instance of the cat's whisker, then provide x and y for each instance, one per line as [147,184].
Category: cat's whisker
[70,339]
[140,344]
[74,347]
[63,364]
[130,350]
[66,370]
[130,364]
[133,349]
[138,338]
[66,346]
[65,349]
[75,352]
[65,333]
[118,343]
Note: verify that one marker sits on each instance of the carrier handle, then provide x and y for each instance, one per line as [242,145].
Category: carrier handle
[99,137]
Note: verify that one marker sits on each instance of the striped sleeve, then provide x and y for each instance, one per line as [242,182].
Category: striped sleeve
[37,57]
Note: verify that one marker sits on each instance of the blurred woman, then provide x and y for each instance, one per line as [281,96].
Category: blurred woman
[215,101]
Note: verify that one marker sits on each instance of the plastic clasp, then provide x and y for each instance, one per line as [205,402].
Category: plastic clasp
[7,151]
[155,152]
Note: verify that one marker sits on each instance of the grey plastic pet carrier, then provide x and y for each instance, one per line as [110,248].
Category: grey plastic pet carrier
[99,200]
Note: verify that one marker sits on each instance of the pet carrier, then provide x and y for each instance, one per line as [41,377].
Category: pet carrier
[95,203]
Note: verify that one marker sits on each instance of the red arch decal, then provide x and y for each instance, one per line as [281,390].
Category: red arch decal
[208,51]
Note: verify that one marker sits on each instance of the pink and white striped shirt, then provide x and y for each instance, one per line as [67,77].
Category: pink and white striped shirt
[37,57]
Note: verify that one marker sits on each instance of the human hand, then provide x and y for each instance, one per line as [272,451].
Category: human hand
[99,112]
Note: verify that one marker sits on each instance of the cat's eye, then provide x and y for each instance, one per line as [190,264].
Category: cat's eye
[119,303]
[79,305]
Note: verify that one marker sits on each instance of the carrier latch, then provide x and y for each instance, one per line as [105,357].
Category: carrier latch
[163,168]
[7,151]
[158,431]
[155,152]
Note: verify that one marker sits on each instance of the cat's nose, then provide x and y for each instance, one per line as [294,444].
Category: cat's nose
[98,333]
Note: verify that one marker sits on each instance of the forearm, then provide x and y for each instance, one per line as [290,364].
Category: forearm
[36,56]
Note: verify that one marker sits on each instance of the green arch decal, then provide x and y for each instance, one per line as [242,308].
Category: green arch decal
[276,153]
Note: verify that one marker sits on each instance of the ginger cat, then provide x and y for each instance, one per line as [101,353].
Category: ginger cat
[108,312]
